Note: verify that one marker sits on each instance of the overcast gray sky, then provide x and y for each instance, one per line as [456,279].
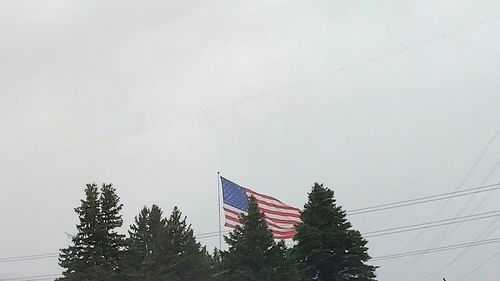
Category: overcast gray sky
[380,100]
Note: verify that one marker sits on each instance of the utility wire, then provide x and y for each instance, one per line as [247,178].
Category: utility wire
[53,255]
[380,258]
[480,266]
[464,252]
[481,235]
[375,233]
[437,249]
[376,208]
[481,155]
[466,205]
[33,278]
[426,199]
[29,257]
[431,224]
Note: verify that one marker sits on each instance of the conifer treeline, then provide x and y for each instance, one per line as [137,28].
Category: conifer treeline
[158,248]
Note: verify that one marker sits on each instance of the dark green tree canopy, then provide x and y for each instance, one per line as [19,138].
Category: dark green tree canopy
[96,247]
[328,249]
[253,254]
[110,220]
[164,249]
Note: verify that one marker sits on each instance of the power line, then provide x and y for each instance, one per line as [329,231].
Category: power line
[414,227]
[480,266]
[459,187]
[52,255]
[437,249]
[467,251]
[395,230]
[29,257]
[466,177]
[380,258]
[481,235]
[464,207]
[431,224]
[376,208]
[374,233]
[33,278]
[426,199]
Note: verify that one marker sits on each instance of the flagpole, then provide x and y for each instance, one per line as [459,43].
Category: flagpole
[218,196]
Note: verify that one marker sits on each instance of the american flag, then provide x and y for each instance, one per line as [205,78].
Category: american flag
[280,218]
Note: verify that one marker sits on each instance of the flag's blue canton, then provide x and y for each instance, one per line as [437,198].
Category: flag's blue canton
[234,195]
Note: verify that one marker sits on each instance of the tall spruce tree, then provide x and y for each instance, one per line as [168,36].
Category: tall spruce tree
[142,245]
[110,219]
[253,254]
[328,248]
[164,249]
[217,270]
[182,257]
[96,247]
[286,267]
[76,259]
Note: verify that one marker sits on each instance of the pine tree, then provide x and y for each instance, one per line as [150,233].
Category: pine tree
[183,258]
[217,270]
[112,243]
[144,235]
[80,257]
[328,248]
[161,249]
[96,247]
[253,254]
[286,267]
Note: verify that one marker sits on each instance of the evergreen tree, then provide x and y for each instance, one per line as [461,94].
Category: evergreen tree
[160,249]
[328,248]
[96,247]
[79,257]
[182,257]
[216,267]
[112,243]
[144,236]
[286,267]
[253,254]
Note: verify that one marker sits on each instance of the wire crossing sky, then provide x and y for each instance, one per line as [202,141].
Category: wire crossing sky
[381,101]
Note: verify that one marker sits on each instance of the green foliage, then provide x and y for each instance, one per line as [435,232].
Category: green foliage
[253,254]
[164,249]
[144,235]
[217,270]
[112,243]
[96,248]
[328,248]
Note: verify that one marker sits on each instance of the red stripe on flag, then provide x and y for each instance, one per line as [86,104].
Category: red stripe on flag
[262,195]
[229,218]
[290,227]
[281,220]
[230,225]
[283,214]
[284,207]
[283,232]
